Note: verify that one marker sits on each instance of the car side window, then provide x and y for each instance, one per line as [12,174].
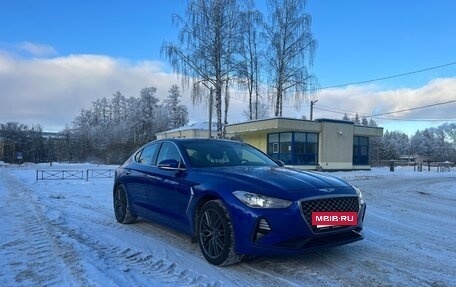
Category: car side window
[147,154]
[168,151]
[249,158]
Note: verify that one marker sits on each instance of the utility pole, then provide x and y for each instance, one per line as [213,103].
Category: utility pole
[312,108]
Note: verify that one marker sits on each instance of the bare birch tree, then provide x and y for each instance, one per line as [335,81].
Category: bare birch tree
[206,50]
[291,48]
[249,66]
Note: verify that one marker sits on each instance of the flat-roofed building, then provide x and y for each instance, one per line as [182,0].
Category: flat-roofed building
[321,144]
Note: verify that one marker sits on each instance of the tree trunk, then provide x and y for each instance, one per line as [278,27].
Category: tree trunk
[218,109]
[227,104]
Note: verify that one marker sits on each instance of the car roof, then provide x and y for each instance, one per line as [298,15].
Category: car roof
[196,140]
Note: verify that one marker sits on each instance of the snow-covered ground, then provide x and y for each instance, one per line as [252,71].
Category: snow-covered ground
[63,233]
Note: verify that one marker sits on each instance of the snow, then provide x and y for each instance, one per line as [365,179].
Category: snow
[63,233]
[195,126]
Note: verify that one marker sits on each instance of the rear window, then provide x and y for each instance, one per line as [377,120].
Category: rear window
[147,154]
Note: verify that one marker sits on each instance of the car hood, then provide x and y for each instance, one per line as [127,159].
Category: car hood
[269,180]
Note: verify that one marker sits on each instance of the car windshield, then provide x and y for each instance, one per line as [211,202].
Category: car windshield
[213,153]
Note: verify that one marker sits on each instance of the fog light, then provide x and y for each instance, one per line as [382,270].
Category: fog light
[264,226]
[262,229]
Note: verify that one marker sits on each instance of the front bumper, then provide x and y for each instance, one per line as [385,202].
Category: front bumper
[287,231]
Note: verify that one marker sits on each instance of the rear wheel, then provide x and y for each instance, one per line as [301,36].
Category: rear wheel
[215,234]
[122,206]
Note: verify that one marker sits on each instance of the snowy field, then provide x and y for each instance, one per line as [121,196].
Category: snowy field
[63,233]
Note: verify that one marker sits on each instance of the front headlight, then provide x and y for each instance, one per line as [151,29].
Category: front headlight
[261,201]
[360,195]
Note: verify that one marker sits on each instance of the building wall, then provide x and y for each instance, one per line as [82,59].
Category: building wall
[367,131]
[336,146]
[257,139]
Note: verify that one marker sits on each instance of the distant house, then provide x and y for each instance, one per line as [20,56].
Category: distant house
[195,130]
[324,144]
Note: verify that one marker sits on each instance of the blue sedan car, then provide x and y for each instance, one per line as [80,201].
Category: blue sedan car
[233,199]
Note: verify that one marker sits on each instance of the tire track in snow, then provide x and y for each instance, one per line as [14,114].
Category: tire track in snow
[161,268]
[123,266]
[32,259]
[126,266]
[49,254]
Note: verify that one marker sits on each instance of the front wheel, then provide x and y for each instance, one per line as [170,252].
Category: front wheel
[122,206]
[215,234]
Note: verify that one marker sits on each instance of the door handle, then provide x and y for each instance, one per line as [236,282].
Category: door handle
[151,177]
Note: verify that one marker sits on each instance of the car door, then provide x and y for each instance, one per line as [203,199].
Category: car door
[169,192]
[137,180]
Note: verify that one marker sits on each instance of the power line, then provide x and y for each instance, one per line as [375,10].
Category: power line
[414,119]
[333,111]
[362,82]
[385,78]
[374,80]
[337,111]
[412,109]
[390,118]
[377,116]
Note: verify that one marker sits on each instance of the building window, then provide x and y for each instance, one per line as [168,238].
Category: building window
[275,147]
[294,148]
[360,150]
[306,148]
[285,150]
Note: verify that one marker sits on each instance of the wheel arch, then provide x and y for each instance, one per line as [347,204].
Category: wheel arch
[116,184]
[198,205]
[128,215]
[228,254]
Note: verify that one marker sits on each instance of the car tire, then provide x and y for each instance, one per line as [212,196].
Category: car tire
[122,209]
[215,234]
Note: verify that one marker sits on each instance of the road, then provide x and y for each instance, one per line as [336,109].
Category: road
[63,233]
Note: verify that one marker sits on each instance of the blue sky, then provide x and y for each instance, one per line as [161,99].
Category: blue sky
[45,45]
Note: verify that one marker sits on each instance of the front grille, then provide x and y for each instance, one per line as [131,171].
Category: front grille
[333,204]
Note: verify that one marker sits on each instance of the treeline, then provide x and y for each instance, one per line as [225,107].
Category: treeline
[111,139]
[435,144]
[19,141]
[113,128]
[107,132]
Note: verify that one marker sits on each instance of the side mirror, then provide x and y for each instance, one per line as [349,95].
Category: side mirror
[170,164]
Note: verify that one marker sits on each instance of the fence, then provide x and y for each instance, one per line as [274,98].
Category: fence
[66,174]
[419,166]
[59,174]
[100,173]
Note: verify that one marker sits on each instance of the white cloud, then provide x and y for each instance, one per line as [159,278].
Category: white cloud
[37,50]
[371,100]
[52,91]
